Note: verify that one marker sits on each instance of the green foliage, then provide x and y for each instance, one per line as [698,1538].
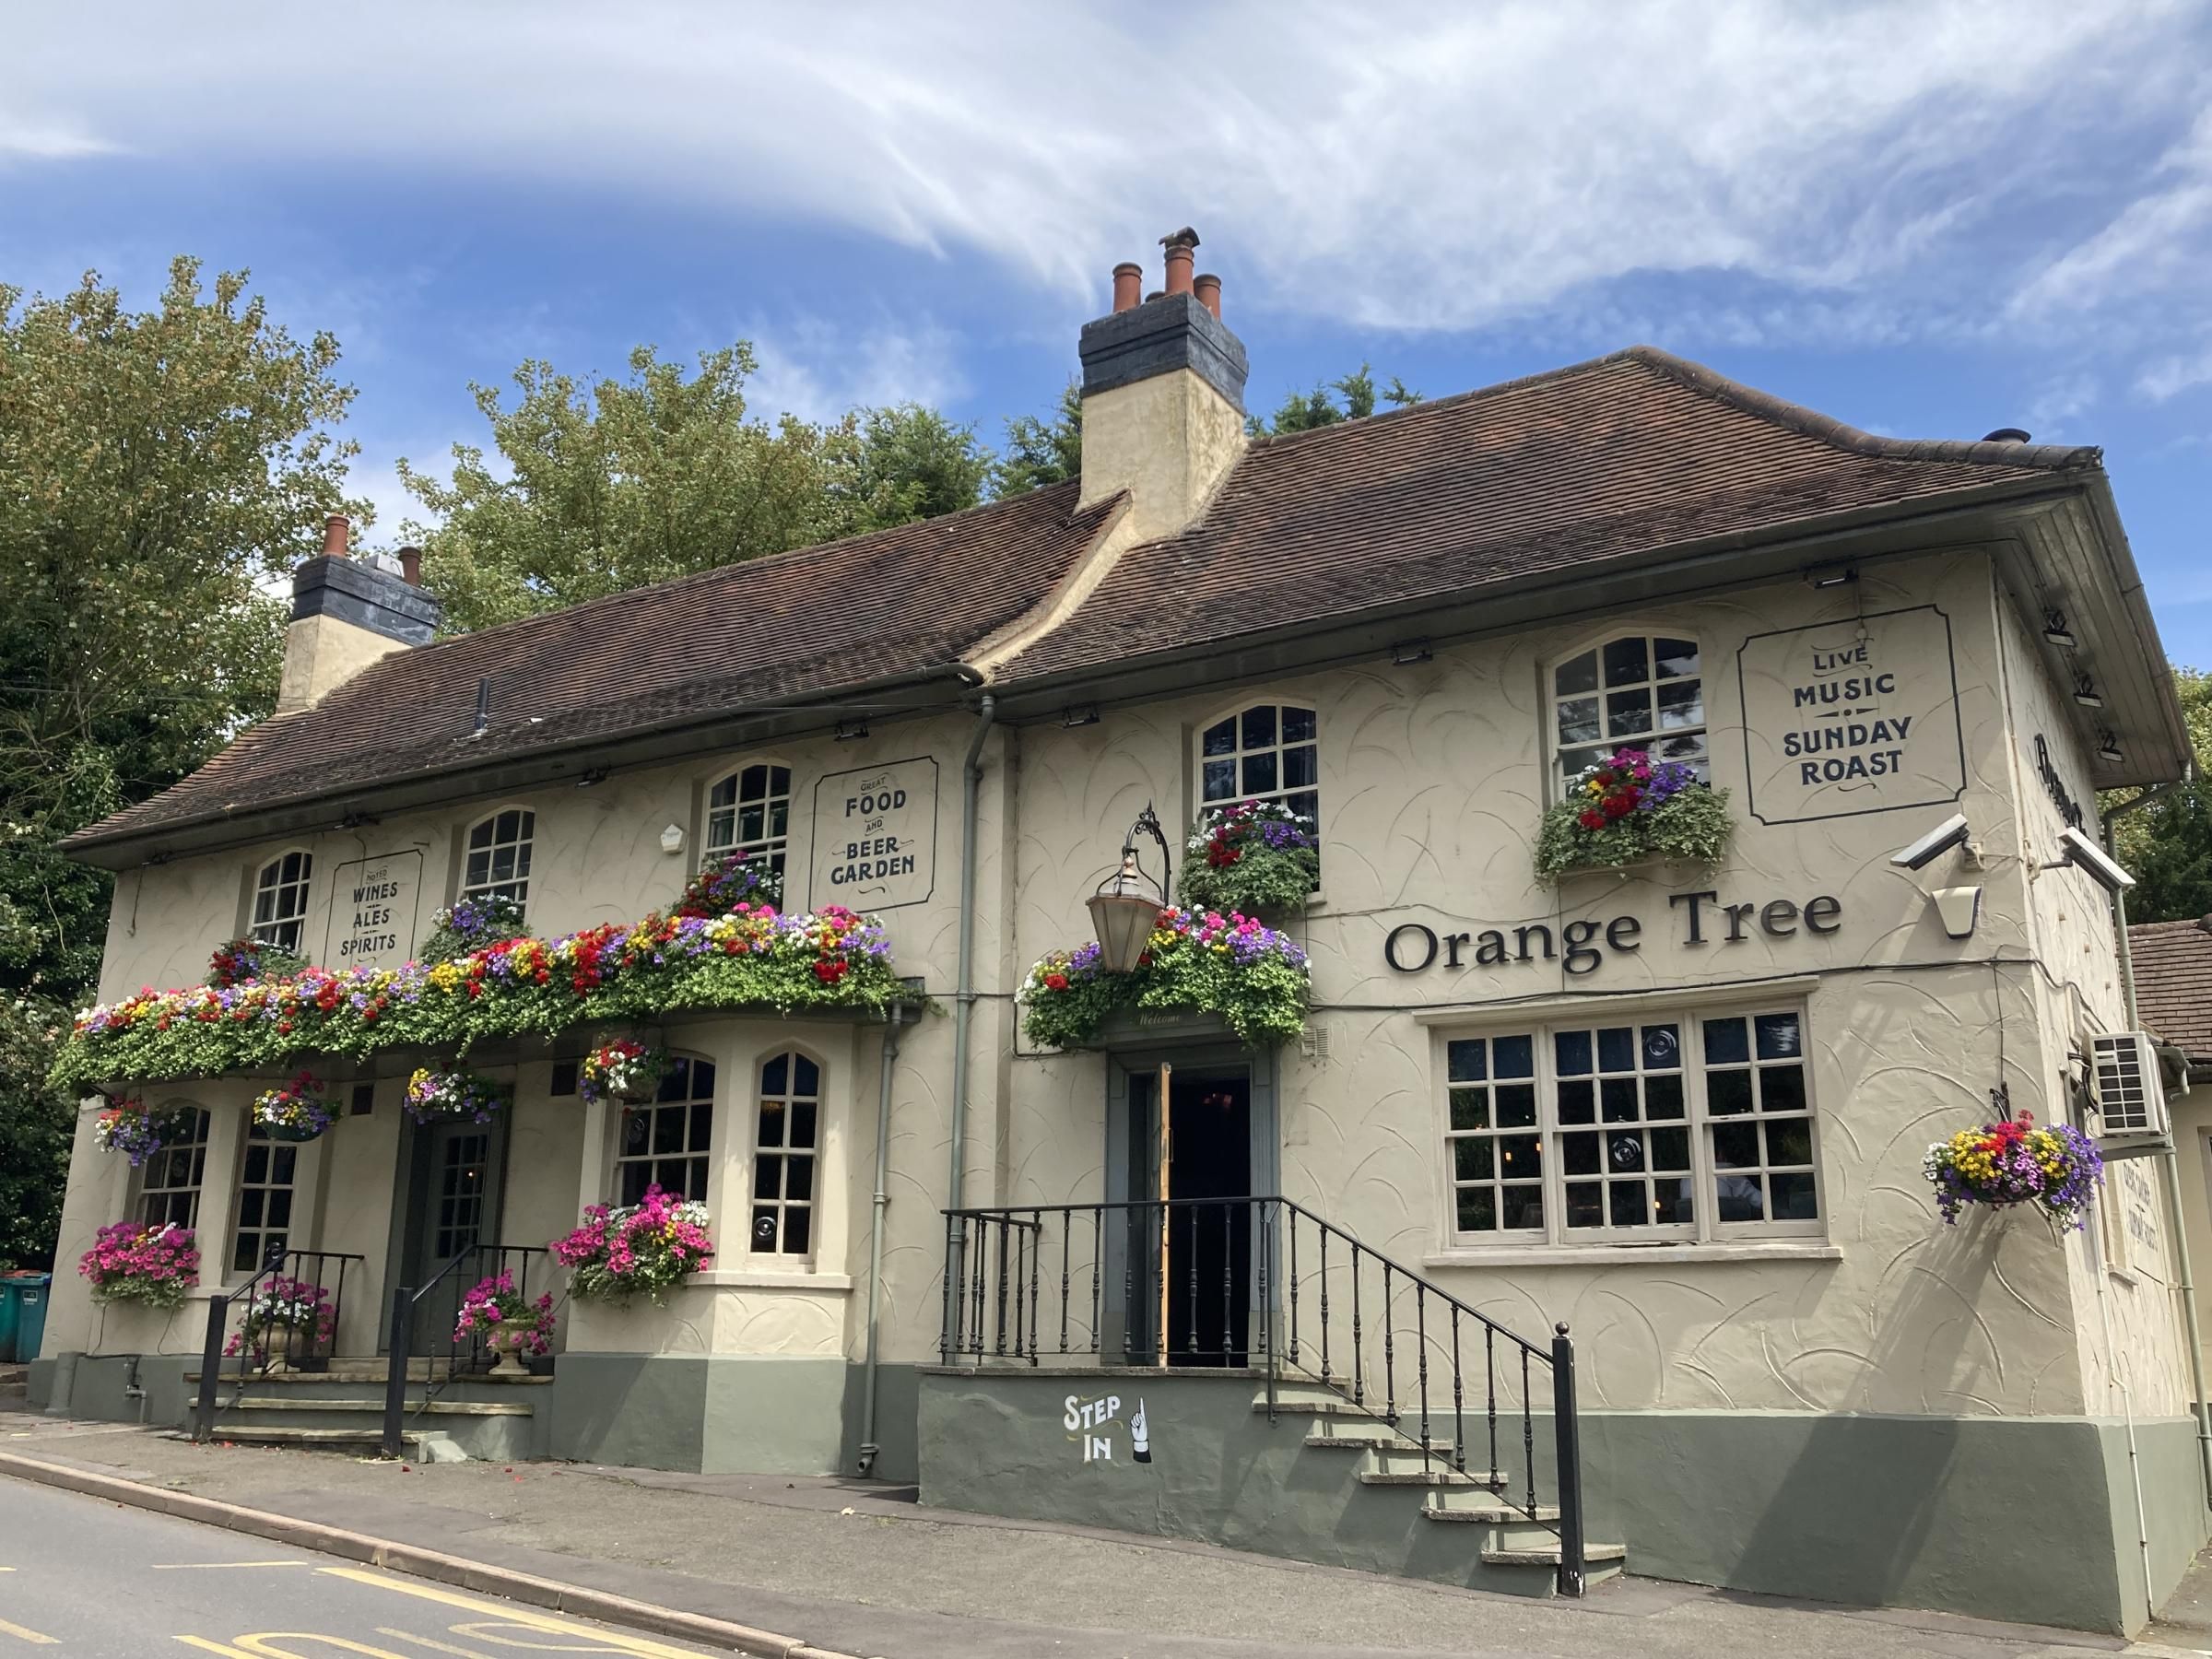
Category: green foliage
[911,463]
[1694,826]
[1302,411]
[1255,978]
[2167,846]
[156,467]
[1040,451]
[1251,858]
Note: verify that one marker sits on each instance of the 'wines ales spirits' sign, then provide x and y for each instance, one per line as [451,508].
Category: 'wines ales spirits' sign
[876,835]
[373,905]
[1849,717]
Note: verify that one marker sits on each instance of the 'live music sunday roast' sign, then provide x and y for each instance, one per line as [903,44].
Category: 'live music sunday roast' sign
[373,905]
[1850,717]
[876,835]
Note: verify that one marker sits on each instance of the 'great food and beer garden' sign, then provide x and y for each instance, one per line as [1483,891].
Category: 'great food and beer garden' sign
[1849,717]
[876,835]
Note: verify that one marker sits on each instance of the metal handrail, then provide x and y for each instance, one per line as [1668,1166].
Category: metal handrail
[218,1325]
[400,1342]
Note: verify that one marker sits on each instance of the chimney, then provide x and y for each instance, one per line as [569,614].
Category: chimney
[1163,396]
[346,614]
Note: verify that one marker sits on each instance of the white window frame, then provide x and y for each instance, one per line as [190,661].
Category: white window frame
[775,845]
[1688,1016]
[1558,750]
[270,880]
[194,1191]
[780,1203]
[1238,754]
[295,1223]
[516,886]
[693,1100]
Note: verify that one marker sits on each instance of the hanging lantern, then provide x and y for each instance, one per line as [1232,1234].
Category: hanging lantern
[1127,904]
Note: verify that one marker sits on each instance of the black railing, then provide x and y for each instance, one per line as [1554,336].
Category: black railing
[259,1343]
[423,1327]
[1264,1283]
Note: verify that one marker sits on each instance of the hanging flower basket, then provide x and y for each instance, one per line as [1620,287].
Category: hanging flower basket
[728,883]
[456,1096]
[1258,858]
[1629,808]
[624,1070]
[128,1127]
[235,961]
[1253,977]
[300,1110]
[471,924]
[509,1324]
[2013,1162]
[653,1245]
[130,1261]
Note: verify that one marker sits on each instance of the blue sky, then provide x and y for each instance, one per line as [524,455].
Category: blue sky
[1928,219]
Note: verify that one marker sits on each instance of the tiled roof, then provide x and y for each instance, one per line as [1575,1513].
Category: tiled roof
[795,625]
[1626,455]
[2173,983]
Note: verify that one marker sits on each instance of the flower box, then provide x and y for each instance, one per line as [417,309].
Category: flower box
[651,1246]
[1254,858]
[1253,978]
[131,1260]
[1630,810]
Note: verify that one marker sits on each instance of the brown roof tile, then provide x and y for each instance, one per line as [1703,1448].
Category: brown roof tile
[2173,983]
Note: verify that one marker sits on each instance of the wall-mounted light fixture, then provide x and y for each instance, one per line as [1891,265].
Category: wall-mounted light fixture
[1951,833]
[2086,855]
[1959,909]
[1405,653]
[1126,906]
[671,840]
[2085,692]
[592,778]
[2108,748]
[852,726]
[1837,573]
[2056,631]
[1079,714]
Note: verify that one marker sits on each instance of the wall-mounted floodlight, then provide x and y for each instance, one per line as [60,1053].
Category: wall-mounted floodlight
[2056,631]
[2085,692]
[2084,854]
[1842,573]
[1950,833]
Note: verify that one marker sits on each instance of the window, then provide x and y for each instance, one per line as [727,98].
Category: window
[499,856]
[280,901]
[1644,692]
[265,1201]
[664,1142]
[784,1156]
[1668,1127]
[168,1186]
[1267,753]
[749,812]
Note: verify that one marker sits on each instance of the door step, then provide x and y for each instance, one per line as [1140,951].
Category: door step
[422,1445]
[435,1408]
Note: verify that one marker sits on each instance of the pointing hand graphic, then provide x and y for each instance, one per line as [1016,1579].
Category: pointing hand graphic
[1140,1440]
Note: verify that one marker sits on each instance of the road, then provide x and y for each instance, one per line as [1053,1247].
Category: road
[90,1580]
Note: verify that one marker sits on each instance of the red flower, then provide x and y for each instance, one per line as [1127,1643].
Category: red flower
[1591,818]
[829,970]
[1055,981]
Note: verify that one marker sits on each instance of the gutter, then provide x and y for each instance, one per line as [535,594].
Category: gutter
[964,1013]
[869,1448]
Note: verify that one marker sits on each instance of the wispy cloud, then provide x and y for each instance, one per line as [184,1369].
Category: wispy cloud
[818,370]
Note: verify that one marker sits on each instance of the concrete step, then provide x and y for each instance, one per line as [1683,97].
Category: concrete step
[423,1445]
[1600,1561]
[1482,1506]
[1401,1465]
[311,1407]
[1360,1433]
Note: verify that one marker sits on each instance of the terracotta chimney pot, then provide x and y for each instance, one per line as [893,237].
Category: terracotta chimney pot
[1178,267]
[1207,286]
[334,531]
[1128,285]
[410,566]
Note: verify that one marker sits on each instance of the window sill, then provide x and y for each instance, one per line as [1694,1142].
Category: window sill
[752,1278]
[1637,1255]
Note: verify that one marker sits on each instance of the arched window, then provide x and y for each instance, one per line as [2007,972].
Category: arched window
[749,812]
[280,901]
[1640,691]
[1268,752]
[168,1186]
[664,1142]
[499,856]
[785,1142]
[265,1201]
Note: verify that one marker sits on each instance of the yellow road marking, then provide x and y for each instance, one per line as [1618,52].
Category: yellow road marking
[183,1566]
[37,1638]
[435,1646]
[257,1646]
[529,1617]
[214,1647]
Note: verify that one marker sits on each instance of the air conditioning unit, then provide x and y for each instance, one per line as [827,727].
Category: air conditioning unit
[2130,1097]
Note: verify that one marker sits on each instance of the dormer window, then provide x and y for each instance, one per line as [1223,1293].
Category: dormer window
[280,901]
[1268,752]
[498,858]
[749,812]
[1642,691]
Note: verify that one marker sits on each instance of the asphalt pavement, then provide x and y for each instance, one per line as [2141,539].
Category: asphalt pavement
[95,1579]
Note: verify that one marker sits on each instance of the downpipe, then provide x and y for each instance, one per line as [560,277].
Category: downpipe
[868,1446]
[963,1012]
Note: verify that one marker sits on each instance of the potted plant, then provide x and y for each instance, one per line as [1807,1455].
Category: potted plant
[1254,857]
[131,1260]
[128,1127]
[300,1110]
[470,925]
[498,1315]
[454,1095]
[653,1245]
[286,1320]
[1628,808]
[2012,1162]
[235,961]
[1255,978]
[729,883]
[624,1069]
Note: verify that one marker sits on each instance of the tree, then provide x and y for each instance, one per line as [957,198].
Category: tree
[911,463]
[1302,411]
[2167,846]
[1040,452]
[156,468]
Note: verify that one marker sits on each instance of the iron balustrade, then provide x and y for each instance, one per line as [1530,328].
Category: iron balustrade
[1264,1284]
[424,1326]
[325,1270]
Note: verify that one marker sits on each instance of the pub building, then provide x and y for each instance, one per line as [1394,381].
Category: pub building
[1546,1226]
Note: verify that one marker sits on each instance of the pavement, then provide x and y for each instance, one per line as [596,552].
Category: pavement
[859,1567]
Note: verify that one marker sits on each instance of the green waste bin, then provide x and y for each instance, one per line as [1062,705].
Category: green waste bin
[11,1319]
[27,1296]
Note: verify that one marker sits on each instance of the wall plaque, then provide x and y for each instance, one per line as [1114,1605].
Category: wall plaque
[1850,717]
[876,835]
[373,906]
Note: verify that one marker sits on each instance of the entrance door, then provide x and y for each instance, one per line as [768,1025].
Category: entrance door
[452,1194]
[1200,1259]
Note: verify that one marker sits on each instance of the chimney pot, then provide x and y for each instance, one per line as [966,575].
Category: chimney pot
[1179,268]
[1207,286]
[334,531]
[410,566]
[1128,285]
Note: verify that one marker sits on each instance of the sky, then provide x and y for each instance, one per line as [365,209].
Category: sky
[1926,219]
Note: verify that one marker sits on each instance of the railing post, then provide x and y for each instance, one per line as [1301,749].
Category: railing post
[1568,1441]
[395,1377]
[946,1331]
[211,1366]
[1268,1333]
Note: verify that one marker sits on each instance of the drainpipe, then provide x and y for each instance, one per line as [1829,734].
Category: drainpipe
[868,1447]
[963,1012]
[2201,1409]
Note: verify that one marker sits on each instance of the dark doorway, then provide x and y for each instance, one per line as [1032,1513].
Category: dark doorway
[1199,1259]
[452,1174]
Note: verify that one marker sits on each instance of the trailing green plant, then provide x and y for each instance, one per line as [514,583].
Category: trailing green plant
[472,923]
[1253,977]
[237,961]
[1256,858]
[1626,809]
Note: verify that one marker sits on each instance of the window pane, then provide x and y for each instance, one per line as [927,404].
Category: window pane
[1777,1036]
[1617,1099]
[1464,1061]
[1725,1042]
[1474,1158]
[771,1124]
[1578,721]
[768,1176]
[1628,663]
[1578,1101]
[805,1077]
[1578,674]
[1675,658]
[1477,1209]
[1522,1204]
[1663,1095]
[1681,704]
[801,1122]
[1739,1198]
[1298,726]
[1579,1153]
[1259,773]
[1790,1141]
[1585,1203]
[1298,769]
[1671,1200]
[775,1076]
[1259,726]
[1662,1047]
[1219,739]
[1470,1109]
[1517,1106]
[1517,1154]
[1736,1146]
[1793,1199]
[1616,1049]
[1670,1148]
[1631,1208]
[1306,803]
[1513,1057]
[1781,1088]
[1727,1092]
[1570,1051]
[797,1231]
[668,1130]
[1628,714]
[1221,780]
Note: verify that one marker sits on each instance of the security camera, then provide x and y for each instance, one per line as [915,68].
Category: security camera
[2078,850]
[1950,833]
